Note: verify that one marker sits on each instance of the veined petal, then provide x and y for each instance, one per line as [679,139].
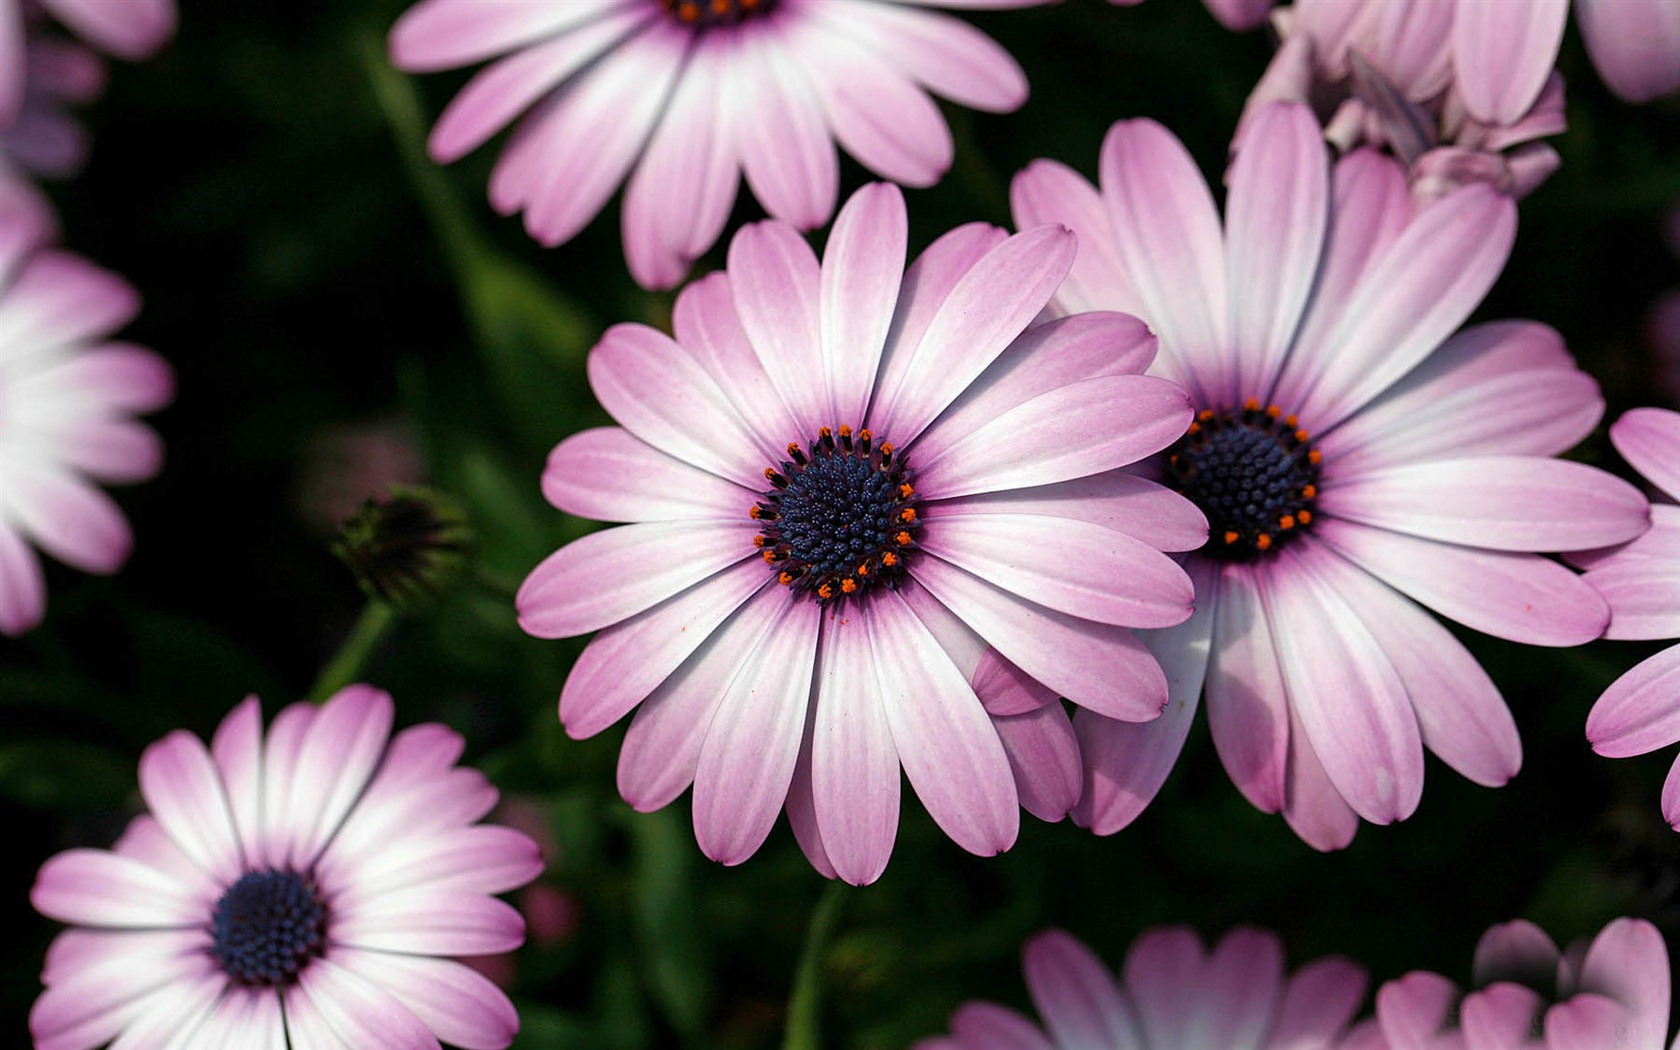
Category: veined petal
[99,888]
[854,763]
[777,281]
[1247,701]
[459,1005]
[1635,45]
[1048,191]
[444,34]
[1644,597]
[1502,54]
[1043,754]
[786,152]
[1649,439]
[184,792]
[1076,994]
[608,474]
[361,1012]
[1113,499]
[858,292]
[947,55]
[1638,713]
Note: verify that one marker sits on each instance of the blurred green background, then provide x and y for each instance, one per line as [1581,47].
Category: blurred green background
[306,272]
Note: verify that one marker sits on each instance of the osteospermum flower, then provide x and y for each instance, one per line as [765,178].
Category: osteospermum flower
[1613,992]
[1460,92]
[844,481]
[1354,458]
[131,29]
[306,890]
[691,94]
[1640,711]
[68,398]
[1172,994]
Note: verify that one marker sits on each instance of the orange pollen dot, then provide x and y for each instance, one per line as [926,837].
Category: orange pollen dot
[753,513]
[907,514]
[793,448]
[1206,414]
[1286,522]
[823,432]
[889,559]
[1231,537]
[865,435]
[1272,411]
[1263,541]
[1252,405]
[886,448]
[902,538]
[1309,491]
[825,592]
[1314,457]
[769,557]
[863,570]
[749,4]
[1304,517]
[848,585]
[769,473]
[1291,422]
[720,7]
[1302,436]
[905,491]
[784,578]
[689,12]
[758,541]
[845,431]
[1195,427]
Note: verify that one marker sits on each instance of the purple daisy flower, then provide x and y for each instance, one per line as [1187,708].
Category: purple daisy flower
[1171,993]
[1640,712]
[131,29]
[844,480]
[1355,458]
[68,398]
[1613,992]
[301,891]
[691,94]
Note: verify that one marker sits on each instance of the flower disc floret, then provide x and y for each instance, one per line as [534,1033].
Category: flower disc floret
[1253,472]
[702,14]
[267,927]
[838,522]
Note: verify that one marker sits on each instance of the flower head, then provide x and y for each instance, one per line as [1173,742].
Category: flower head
[1171,993]
[306,890]
[1460,92]
[845,480]
[1612,992]
[131,29]
[68,398]
[1354,457]
[692,94]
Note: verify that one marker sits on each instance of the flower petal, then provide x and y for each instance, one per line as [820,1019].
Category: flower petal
[880,115]
[1043,755]
[608,474]
[949,56]
[854,763]
[1048,191]
[777,285]
[1638,713]
[360,1011]
[460,1006]
[23,587]
[182,789]
[1075,993]
[429,922]
[99,888]
[444,34]
[858,292]
[1649,439]
[786,151]
[1502,54]
[1247,701]
[1318,1004]
[1644,597]
[1113,499]
[1634,44]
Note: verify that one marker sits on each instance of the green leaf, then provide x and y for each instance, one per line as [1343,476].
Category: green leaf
[666,919]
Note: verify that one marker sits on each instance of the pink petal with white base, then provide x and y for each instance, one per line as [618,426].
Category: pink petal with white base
[1244,975]
[184,792]
[1644,597]
[1247,701]
[786,152]
[777,285]
[878,113]
[1638,712]
[1501,1014]
[59,299]
[1275,230]
[130,30]
[662,746]
[479,858]
[1411,298]
[1351,701]
[1587,1022]
[1048,191]
[977,1024]
[1649,439]
[1502,54]
[1318,1005]
[944,739]
[119,377]
[947,55]
[1516,951]
[1005,689]
[306,1025]
[1127,762]
[991,304]
[459,1005]
[609,475]
[344,746]
[1095,665]
[442,34]
[802,806]
[628,660]
[854,763]
[66,517]
[243,1017]
[1043,754]
[1163,975]
[1495,502]
[1519,597]
[1634,44]
[1312,805]
[1414,1008]
[1168,235]
[172,1014]
[429,922]
[753,740]
[609,576]
[1658,544]
[1075,993]
[858,291]
[90,1002]
[361,1012]
[708,327]
[98,888]
[1113,499]
[23,588]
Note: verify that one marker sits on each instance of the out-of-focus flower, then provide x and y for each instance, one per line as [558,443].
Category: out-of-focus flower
[343,465]
[68,398]
[1460,92]
[1172,994]
[1635,44]
[1640,711]
[552,914]
[327,873]
[692,94]
[845,481]
[1613,992]
[45,139]
[407,546]
[131,29]
[1354,456]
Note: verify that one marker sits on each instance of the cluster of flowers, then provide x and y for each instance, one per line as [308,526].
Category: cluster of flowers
[880,517]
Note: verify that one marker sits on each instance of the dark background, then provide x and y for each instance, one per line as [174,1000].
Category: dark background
[301,271]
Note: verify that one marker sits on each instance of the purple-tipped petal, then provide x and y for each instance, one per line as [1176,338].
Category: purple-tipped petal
[1503,52]
[1412,1009]
[184,792]
[879,114]
[459,1005]
[98,888]
[1318,1005]
[1515,951]
[23,588]
[1006,689]
[361,1012]
[1588,1022]
[1163,973]
[1113,499]
[1501,1014]
[1638,713]
[947,55]
[65,516]
[430,922]
[444,34]
[708,327]
[981,1026]
[133,29]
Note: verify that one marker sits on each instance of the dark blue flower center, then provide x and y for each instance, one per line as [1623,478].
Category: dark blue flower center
[839,521]
[1253,472]
[267,927]
[701,14]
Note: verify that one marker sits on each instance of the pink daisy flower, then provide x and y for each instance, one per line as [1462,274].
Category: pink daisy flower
[131,29]
[1613,992]
[46,139]
[691,94]
[300,891]
[68,398]
[1459,91]
[1355,458]
[1640,712]
[844,480]
[1171,993]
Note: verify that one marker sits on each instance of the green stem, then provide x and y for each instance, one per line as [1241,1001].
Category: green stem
[352,657]
[807,985]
